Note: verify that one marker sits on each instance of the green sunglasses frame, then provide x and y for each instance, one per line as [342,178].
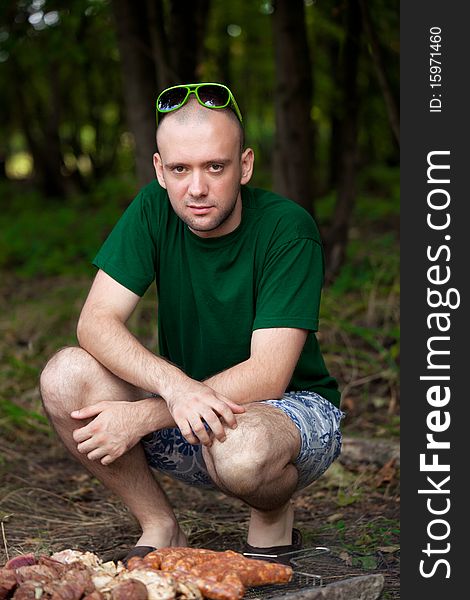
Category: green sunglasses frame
[192,88]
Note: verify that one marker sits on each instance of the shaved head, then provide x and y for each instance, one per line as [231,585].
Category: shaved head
[192,113]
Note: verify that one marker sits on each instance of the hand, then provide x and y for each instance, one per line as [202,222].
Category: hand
[116,428]
[192,402]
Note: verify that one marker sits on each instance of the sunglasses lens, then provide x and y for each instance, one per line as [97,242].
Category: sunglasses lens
[171,99]
[213,95]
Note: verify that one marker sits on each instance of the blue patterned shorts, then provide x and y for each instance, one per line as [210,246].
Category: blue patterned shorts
[317,419]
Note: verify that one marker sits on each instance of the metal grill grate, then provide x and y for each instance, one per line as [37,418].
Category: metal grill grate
[300,579]
[298,582]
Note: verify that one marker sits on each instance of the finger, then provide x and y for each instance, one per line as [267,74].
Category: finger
[87,446]
[222,409]
[187,433]
[97,454]
[82,434]
[216,426]
[88,411]
[107,460]
[200,431]
[236,408]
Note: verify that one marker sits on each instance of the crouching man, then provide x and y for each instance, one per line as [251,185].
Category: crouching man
[238,397]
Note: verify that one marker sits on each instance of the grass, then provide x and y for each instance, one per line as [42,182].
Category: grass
[366,543]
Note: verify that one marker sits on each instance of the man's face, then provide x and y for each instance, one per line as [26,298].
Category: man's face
[201,166]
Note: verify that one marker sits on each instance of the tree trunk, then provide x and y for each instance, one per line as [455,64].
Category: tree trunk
[41,129]
[139,81]
[336,238]
[333,51]
[293,158]
[165,74]
[188,21]
[390,102]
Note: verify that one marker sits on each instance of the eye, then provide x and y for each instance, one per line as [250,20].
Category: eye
[179,169]
[216,167]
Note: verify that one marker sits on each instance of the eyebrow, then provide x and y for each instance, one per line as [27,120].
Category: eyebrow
[212,161]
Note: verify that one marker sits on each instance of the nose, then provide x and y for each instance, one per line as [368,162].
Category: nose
[197,186]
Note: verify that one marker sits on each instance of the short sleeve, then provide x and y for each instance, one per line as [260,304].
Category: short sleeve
[129,253]
[290,286]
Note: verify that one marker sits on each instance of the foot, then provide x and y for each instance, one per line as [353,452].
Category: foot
[162,536]
[284,554]
[137,552]
[272,527]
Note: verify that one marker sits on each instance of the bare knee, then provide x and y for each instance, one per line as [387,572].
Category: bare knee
[64,379]
[257,453]
[244,462]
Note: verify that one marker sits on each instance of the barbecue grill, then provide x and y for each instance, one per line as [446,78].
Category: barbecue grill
[301,580]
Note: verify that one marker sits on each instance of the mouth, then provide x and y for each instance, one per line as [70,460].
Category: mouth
[199,210]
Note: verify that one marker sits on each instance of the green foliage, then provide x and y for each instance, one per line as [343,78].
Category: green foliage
[12,415]
[60,237]
[362,543]
[359,321]
[348,487]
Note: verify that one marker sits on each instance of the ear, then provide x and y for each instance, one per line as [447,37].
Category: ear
[247,162]
[158,166]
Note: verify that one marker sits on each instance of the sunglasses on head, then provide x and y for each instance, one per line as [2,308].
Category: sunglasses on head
[210,95]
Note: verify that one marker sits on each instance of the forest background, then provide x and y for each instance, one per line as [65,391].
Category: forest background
[317,84]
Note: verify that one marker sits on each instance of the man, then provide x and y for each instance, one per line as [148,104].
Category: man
[239,397]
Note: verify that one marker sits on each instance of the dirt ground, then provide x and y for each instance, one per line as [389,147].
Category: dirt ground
[48,503]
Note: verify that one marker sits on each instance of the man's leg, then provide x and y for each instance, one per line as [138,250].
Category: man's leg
[255,464]
[73,379]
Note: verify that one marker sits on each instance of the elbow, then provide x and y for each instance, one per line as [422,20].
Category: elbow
[81,331]
[84,331]
[274,390]
[278,392]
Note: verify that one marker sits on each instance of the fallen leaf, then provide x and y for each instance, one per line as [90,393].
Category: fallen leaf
[368,562]
[387,473]
[335,517]
[388,549]
[344,556]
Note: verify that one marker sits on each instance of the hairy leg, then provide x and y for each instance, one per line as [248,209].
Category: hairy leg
[73,379]
[255,464]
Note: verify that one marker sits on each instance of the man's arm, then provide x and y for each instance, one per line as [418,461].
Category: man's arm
[103,333]
[266,374]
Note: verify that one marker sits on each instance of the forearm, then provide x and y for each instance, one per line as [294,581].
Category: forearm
[153,415]
[246,382]
[113,345]
[268,371]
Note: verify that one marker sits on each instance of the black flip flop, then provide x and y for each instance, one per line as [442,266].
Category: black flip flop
[139,551]
[279,554]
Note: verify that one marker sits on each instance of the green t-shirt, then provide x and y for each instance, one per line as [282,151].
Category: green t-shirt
[214,292]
